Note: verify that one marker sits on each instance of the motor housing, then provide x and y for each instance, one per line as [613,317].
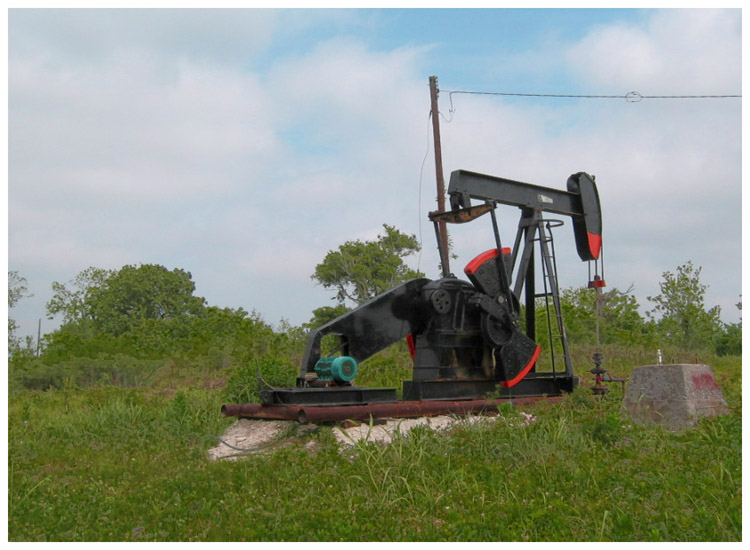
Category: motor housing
[340,369]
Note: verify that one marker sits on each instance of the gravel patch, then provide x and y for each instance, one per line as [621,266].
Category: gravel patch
[246,433]
[383,433]
[267,434]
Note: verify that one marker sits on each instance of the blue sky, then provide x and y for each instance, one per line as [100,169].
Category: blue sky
[243,145]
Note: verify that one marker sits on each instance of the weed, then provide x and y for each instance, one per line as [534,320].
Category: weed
[127,464]
[244,385]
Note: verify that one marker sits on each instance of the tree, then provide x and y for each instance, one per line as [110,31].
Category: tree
[17,289]
[323,315]
[115,302]
[729,340]
[142,311]
[680,311]
[359,271]
[620,324]
[133,295]
[74,302]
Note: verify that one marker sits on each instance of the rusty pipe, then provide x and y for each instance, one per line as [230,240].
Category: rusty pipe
[400,409]
[256,410]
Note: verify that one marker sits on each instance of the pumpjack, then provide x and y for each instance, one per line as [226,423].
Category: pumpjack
[468,339]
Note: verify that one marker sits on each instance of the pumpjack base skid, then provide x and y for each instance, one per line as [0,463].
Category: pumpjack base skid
[419,390]
[332,396]
[422,398]
[531,386]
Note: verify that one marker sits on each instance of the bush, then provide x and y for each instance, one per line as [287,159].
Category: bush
[386,369]
[729,341]
[118,370]
[243,385]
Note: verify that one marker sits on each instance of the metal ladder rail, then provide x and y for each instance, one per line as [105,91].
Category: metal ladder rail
[551,268]
[546,295]
[551,289]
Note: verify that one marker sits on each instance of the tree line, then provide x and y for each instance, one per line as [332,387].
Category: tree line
[118,322]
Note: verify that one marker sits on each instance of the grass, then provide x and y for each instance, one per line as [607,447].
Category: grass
[114,464]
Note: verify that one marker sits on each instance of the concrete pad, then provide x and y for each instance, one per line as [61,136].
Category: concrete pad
[385,432]
[248,434]
[674,395]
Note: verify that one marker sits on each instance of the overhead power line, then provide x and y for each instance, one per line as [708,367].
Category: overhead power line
[630,97]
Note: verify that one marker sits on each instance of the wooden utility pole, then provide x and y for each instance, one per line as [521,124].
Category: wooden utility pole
[443,229]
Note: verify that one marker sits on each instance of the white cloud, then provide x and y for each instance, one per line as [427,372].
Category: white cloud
[694,51]
[175,151]
[99,36]
[124,131]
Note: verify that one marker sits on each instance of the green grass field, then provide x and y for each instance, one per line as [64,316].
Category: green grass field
[115,464]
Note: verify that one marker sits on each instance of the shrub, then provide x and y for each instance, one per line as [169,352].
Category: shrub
[118,370]
[243,385]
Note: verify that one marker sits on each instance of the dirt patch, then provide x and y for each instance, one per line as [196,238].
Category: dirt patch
[384,432]
[263,435]
[214,384]
[248,434]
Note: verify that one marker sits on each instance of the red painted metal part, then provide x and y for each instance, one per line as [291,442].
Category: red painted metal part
[477,262]
[399,409]
[595,244]
[525,370]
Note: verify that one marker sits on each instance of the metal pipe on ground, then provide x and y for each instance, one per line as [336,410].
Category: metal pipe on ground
[401,409]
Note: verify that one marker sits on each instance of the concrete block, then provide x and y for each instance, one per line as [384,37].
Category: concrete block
[674,395]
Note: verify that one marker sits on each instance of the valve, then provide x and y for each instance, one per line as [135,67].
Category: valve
[600,375]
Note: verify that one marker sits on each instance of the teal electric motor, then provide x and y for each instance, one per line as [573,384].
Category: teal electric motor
[336,369]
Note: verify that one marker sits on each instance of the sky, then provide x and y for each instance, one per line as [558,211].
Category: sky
[243,145]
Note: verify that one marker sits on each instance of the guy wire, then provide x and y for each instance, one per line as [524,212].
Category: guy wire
[630,97]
